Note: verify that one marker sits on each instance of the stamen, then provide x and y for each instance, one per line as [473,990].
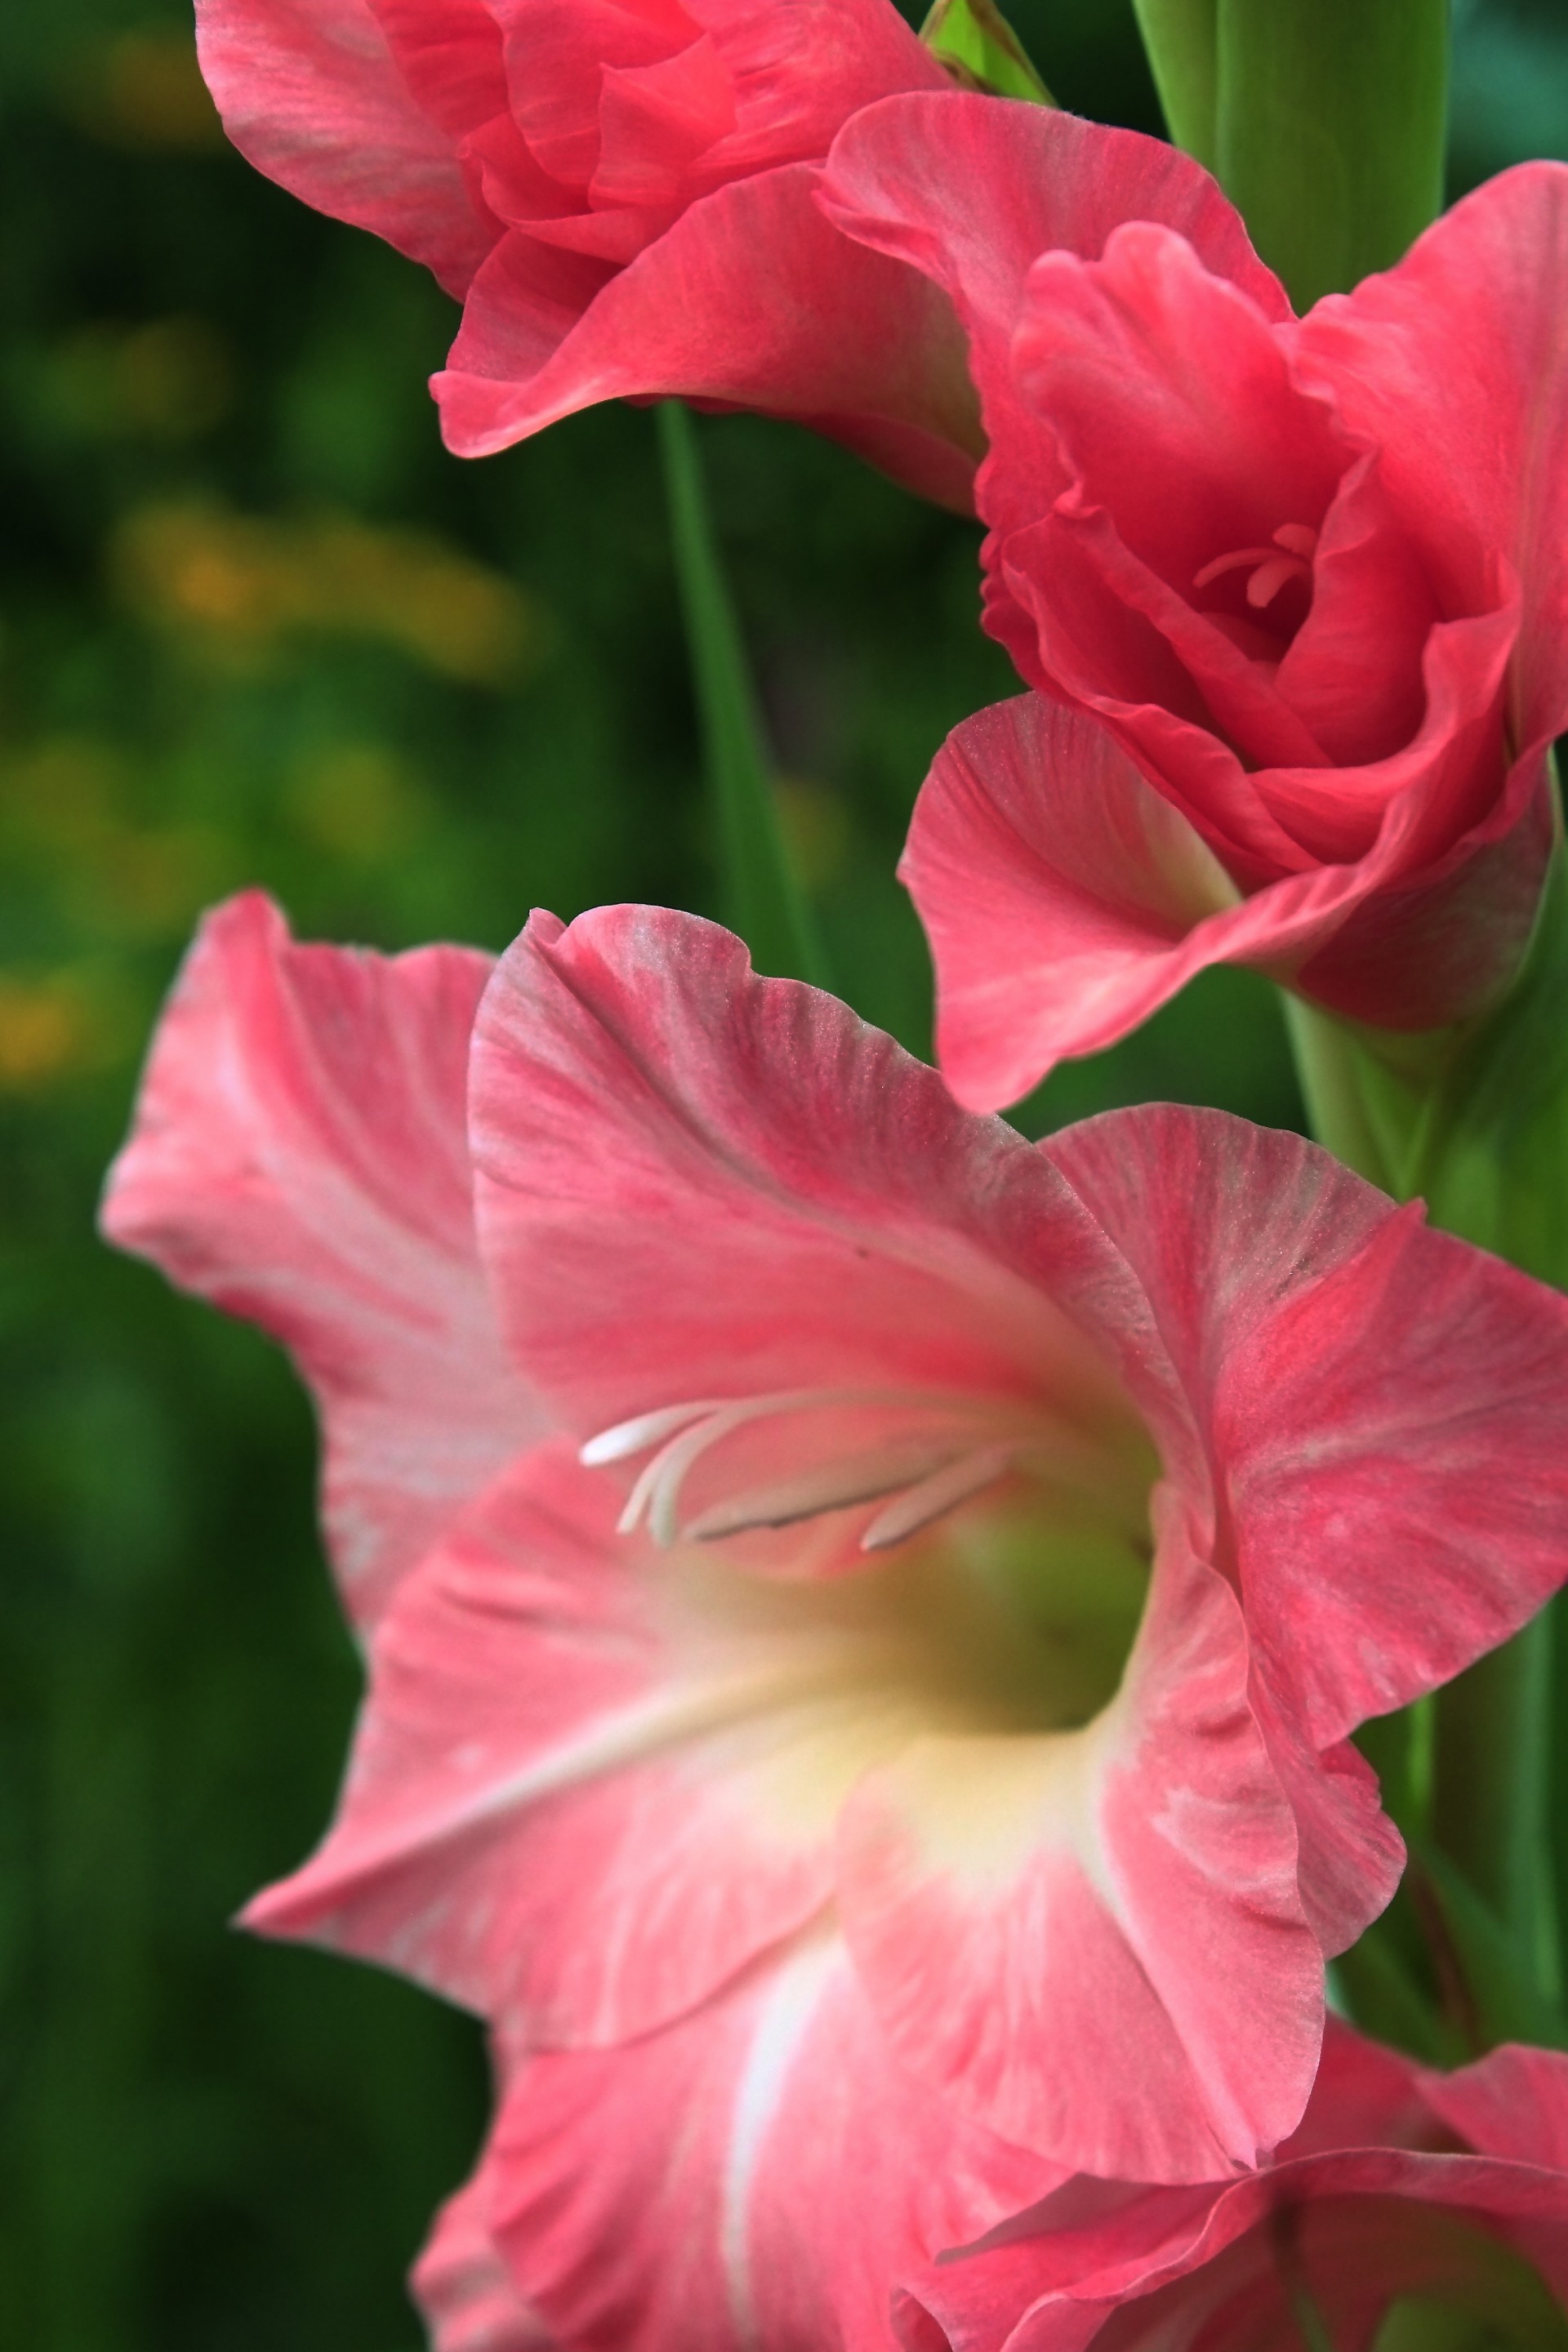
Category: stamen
[831,1486]
[1290,558]
[682,1433]
[943,1490]
[645,1429]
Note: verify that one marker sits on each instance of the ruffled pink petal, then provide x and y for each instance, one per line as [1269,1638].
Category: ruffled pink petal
[317,95]
[829,334]
[761,2173]
[1171,393]
[1039,1922]
[464,2288]
[1454,365]
[1386,1403]
[696,1183]
[300,1156]
[971,190]
[590,1785]
[1066,900]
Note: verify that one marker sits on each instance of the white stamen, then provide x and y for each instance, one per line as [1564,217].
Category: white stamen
[1270,578]
[945,1488]
[827,1486]
[644,1429]
[688,1429]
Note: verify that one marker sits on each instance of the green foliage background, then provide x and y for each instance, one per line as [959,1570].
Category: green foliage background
[256,625]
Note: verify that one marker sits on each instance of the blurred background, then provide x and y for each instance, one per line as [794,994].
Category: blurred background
[256,626]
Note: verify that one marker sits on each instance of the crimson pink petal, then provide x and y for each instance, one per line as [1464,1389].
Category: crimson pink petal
[761,2173]
[829,334]
[970,190]
[313,93]
[1455,363]
[300,1156]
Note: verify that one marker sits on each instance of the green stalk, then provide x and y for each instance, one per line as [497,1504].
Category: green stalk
[761,894]
[1330,127]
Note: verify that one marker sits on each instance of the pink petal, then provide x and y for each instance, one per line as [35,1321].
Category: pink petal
[1454,365]
[1039,1926]
[355,106]
[1066,900]
[970,190]
[761,2173]
[590,1785]
[300,1158]
[1171,393]
[828,334]
[1386,1405]
[463,2287]
[1511,2103]
[695,1183]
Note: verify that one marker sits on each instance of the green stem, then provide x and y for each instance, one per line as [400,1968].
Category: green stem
[1331,129]
[762,897]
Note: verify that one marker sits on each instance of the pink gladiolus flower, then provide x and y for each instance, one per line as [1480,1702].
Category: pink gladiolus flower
[913,1688]
[1431,2207]
[621,193]
[1295,593]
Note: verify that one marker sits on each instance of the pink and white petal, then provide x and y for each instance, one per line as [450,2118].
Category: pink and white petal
[829,334]
[1093,1943]
[970,190]
[695,1182]
[762,2172]
[300,1156]
[310,92]
[1454,364]
[591,1784]
[463,2287]
[1386,1407]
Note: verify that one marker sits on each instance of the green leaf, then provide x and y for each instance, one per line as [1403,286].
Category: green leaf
[981,50]
[764,901]
[1494,1992]
[1331,129]
[1182,37]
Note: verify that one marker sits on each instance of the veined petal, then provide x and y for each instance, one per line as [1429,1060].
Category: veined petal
[593,1784]
[658,2198]
[696,1183]
[1037,1920]
[1362,1387]
[300,1156]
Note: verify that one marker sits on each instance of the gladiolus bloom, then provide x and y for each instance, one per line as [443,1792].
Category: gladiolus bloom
[621,195]
[937,1625]
[1294,593]
[1410,2210]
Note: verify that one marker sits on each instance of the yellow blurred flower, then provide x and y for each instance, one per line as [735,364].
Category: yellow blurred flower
[144,88]
[243,583]
[165,381]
